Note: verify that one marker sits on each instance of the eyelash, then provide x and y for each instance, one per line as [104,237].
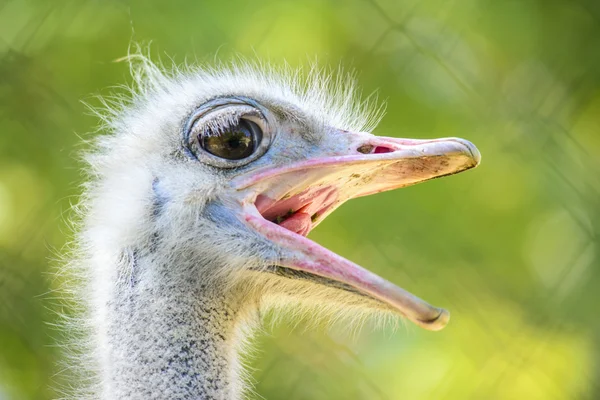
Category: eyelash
[218,125]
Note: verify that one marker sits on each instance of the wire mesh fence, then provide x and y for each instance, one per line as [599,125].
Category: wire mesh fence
[511,249]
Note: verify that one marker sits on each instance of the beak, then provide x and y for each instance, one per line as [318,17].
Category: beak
[284,203]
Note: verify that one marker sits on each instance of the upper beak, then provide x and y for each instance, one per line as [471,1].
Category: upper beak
[284,203]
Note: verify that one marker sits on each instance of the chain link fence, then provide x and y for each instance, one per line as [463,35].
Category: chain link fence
[511,249]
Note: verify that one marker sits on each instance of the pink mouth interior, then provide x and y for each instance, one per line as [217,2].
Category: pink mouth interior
[382,149]
[299,212]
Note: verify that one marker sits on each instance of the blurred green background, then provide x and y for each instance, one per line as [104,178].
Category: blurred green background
[511,248]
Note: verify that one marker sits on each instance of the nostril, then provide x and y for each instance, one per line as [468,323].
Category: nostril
[372,149]
[365,149]
[382,149]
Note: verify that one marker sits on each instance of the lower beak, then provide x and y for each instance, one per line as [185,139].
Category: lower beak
[284,203]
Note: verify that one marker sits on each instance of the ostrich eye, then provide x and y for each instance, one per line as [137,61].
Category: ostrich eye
[233,143]
[229,132]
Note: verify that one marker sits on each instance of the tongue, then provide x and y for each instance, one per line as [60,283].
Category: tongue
[299,223]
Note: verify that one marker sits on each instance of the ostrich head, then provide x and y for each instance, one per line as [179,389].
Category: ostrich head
[197,212]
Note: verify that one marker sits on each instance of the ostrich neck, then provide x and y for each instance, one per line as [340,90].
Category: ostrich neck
[168,335]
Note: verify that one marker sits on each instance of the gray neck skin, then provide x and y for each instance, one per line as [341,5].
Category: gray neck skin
[170,336]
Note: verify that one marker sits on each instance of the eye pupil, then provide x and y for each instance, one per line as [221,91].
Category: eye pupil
[235,143]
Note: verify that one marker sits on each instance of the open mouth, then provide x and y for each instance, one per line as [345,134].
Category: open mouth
[285,203]
[301,212]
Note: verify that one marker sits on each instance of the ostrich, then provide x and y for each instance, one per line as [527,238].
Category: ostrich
[195,216]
